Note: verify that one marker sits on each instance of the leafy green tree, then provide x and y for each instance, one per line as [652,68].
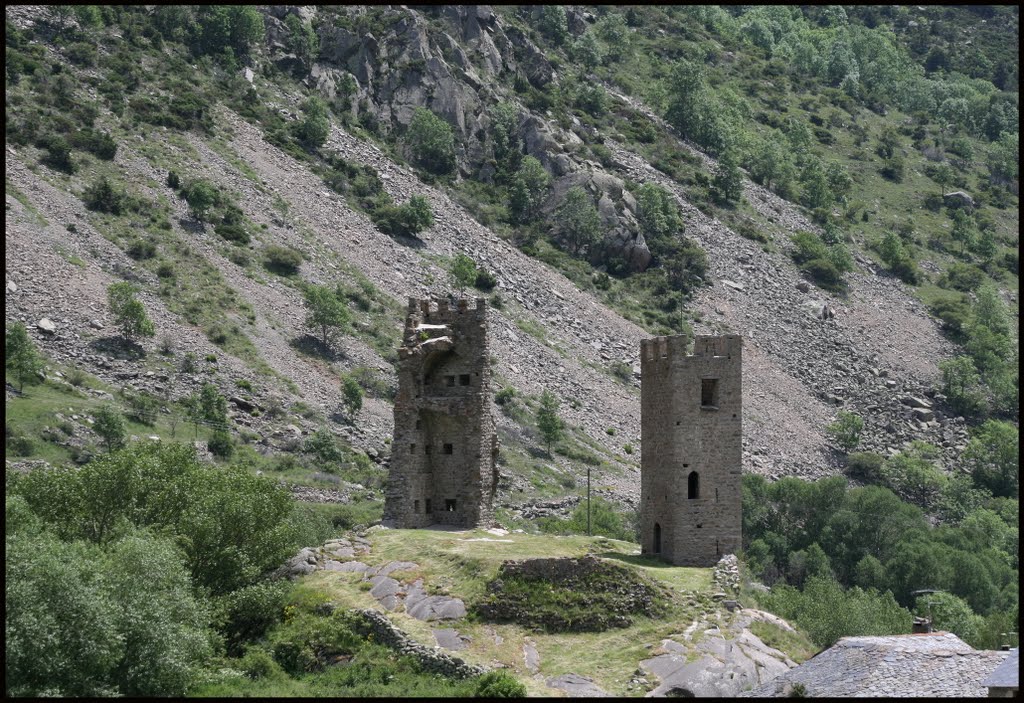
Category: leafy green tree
[913,475]
[324,311]
[963,230]
[728,181]
[960,384]
[1003,158]
[529,188]
[109,425]
[943,175]
[316,125]
[351,395]
[950,614]
[463,271]
[549,423]
[238,27]
[839,181]
[587,51]
[302,40]
[985,245]
[554,23]
[20,356]
[129,313]
[201,195]
[615,33]
[420,215]
[101,196]
[869,573]
[578,222]
[431,142]
[213,407]
[897,257]
[816,192]
[993,457]
[846,430]
[505,139]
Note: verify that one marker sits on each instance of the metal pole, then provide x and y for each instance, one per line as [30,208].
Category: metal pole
[588,500]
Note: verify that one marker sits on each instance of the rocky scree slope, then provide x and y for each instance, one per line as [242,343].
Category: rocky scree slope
[878,350]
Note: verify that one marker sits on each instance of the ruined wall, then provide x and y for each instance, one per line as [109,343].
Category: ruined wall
[692,448]
[444,449]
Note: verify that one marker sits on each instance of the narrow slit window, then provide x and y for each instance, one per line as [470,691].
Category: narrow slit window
[693,485]
[427,508]
[412,448]
[419,424]
[426,449]
[709,392]
[448,449]
[416,507]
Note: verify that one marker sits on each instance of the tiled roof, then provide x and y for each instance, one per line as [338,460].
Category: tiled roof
[927,665]
[1007,674]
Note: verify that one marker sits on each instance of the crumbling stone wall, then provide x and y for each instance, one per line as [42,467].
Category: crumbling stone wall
[443,468]
[691,453]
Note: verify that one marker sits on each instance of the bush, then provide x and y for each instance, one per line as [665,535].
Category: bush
[233,233]
[247,614]
[865,465]
[58,154]
[143,407]
[404,220]
[431,142]
[101,196]
[220,444]
[485,280]
[499,684]
[846,430]
[282,260]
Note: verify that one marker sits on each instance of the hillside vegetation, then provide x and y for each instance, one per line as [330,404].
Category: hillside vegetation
[215,217]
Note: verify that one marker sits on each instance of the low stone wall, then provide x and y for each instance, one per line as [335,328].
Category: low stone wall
[432,660]
[726,574]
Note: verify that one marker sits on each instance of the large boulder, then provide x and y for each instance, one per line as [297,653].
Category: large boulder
[958,198]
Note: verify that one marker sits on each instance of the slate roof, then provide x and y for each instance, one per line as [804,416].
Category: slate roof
[936,664]
[1007,674]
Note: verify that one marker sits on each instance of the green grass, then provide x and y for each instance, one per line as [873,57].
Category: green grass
[794,645]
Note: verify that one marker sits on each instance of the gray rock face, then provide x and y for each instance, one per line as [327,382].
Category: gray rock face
[577,686]
[451,639]
[958,199]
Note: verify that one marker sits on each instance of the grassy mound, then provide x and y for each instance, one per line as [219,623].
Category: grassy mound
[569,595]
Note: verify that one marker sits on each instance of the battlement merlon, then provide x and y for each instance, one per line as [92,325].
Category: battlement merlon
[727,345]
[440,312]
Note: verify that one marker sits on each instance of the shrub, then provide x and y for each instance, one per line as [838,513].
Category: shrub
[101,196]
[499,684]
[143,407]
[220,444]
[846,430]
[58,154]
[865,465]
[141,249]
[233,233]
[485,280]
[247,614]
[282,260]
[404,220]
[173,180]
[505,395]
[431,142]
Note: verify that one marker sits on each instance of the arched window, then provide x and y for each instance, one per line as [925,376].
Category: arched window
[693,485]
[657,538]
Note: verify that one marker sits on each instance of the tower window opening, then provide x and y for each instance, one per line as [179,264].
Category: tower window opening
[709,392]
[426,449]
[416,507]
[693,485]
[412,448]
[657,539]
[448,449]
[464,379]
[427,509]
[449,505]
[449,380]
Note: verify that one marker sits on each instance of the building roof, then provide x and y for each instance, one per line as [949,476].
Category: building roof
[1007,674]
[934,664]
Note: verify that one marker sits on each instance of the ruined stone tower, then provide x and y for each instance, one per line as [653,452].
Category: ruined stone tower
[691,454]
[444,450]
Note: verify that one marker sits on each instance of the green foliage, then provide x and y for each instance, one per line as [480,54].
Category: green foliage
[89,621]
[316,125]
[220,444]
[993,457]
[404,220]
[201,195]
[960,384]
[912,474]
[950,614]
[578,223]
[553,23]
[846,430]
[351,395]
[58,153]
[129,313]
[727,185]
[605,519]
[963,230]
[499,684]
[431,142]
[20,356]
[100,144]
[898,258]
[282,260]
[324,311]
[246,614]
[109,425]
[827,611]
[239,27]
[865,465]
[463,271]
[302,40]
[529,188]
[549,423]
[232,525]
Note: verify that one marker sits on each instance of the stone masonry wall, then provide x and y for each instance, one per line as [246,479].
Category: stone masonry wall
[691,423]
[443,467]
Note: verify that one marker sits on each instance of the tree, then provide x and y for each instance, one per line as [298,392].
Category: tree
[325,311]
[912,475]
[943,175]
[985,245]
[302,40]
[554,23]
[505,139]
[587,51]
[316,126]
[963,230]
[728,182]
[208,407]
[960,381]
[993,457]
[351,395]
[463,271]
[109,425]
[846,430]
[431,142]
[201,195]
[101,196]
[129,314]
[529,188]
[950,614]
[550,425]
[21,357]
[578,221]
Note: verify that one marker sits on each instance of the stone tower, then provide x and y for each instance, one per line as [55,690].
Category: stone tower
[443,454]
[692,448]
